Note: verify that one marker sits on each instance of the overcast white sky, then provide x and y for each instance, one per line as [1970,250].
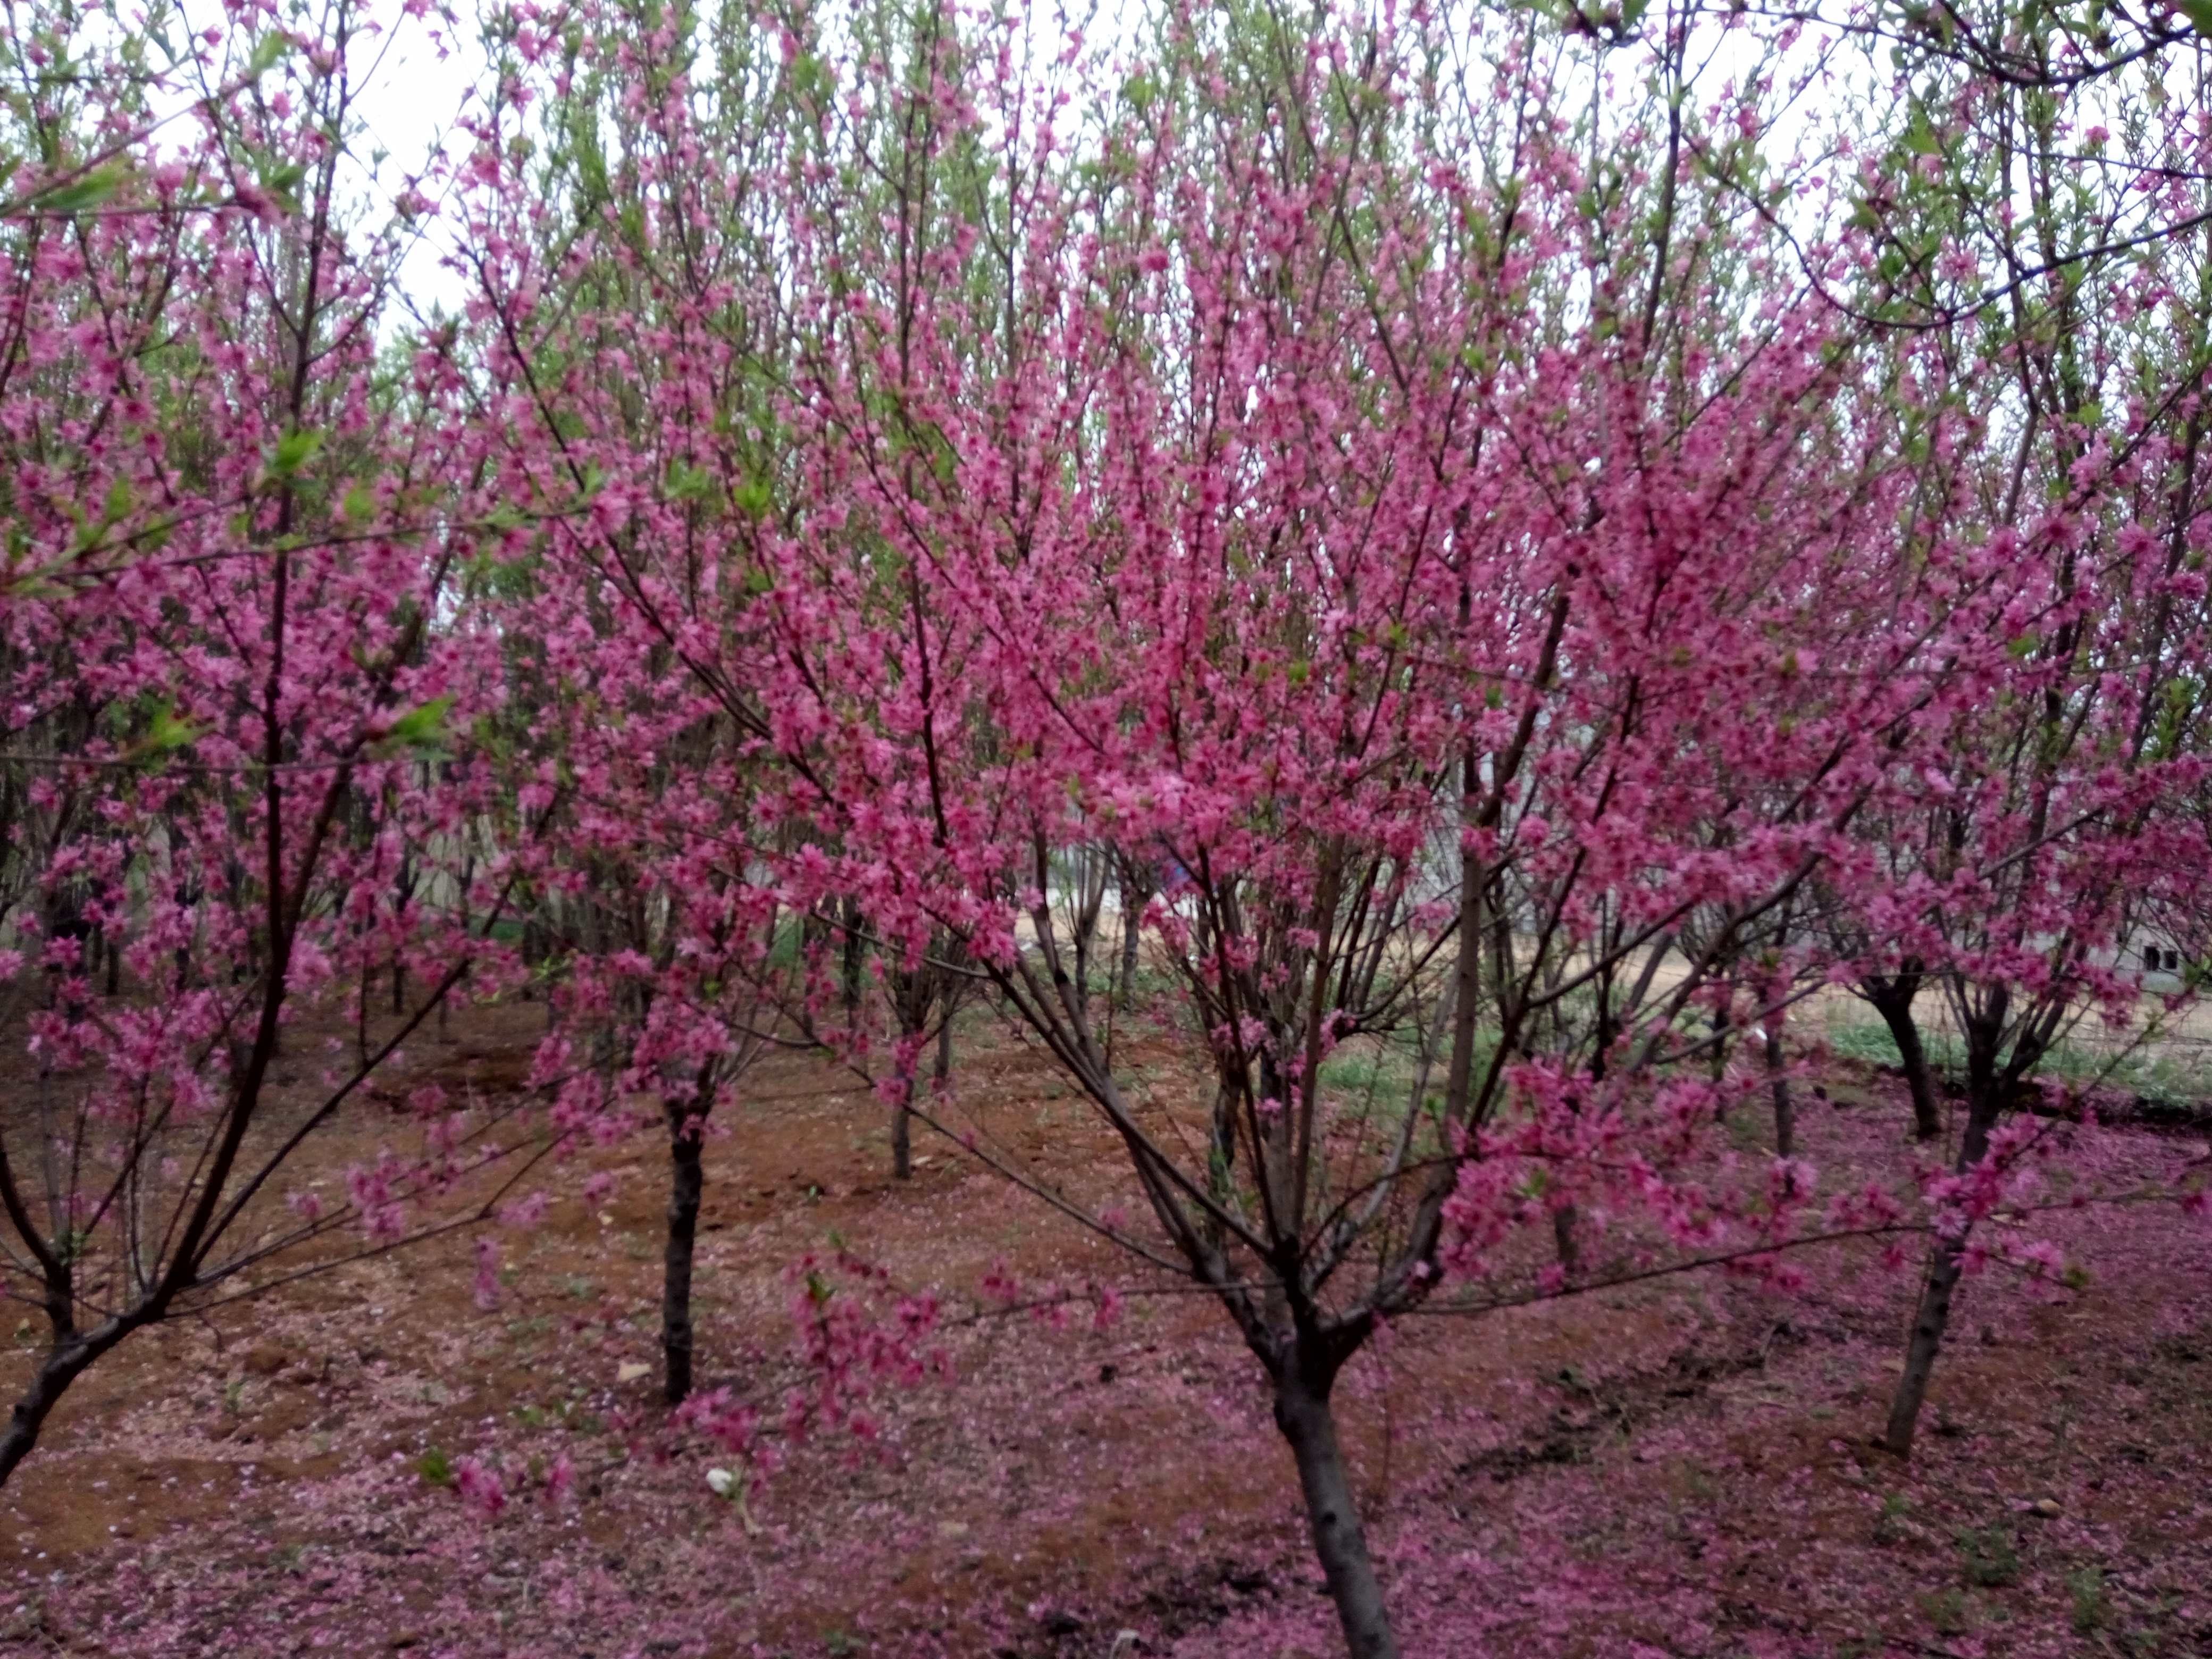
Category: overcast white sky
[410,86]
[409,103]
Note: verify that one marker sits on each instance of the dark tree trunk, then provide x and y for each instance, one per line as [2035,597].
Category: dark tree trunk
[902,1131]
[62,1366]
[1892,998]
[1304,1415]
[1090,870]
[1222,1155]
[903,1114]
[1135,897]
[1566,1241]
[1985,1093]
[1930,1321]
[1785,1112]
[849,916]
[686,1125]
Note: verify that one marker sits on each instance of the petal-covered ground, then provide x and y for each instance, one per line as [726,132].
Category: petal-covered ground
[368,1461]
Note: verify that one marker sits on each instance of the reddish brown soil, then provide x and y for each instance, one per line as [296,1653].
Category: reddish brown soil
[1548,1480]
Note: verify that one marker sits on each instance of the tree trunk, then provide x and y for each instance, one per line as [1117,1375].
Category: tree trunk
[1893,999]
[854,952]
[1221,1156]
[903,1114]
[903,1132]
[61,1367]
[1135,897]
[1785,1113]
[1985,1096]
[686,1129]
[1928,1327]
[1565,1240]
[1302,1413]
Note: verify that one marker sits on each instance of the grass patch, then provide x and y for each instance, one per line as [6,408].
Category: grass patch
[2159,1072]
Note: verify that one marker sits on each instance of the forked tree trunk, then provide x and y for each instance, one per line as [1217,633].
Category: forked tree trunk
[1304,1415]
[1135,897]
[1893,999]
[1933,1316]
[903,1114]
[61,1367]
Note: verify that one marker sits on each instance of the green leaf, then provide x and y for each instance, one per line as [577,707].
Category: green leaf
[168,732]
[434,1466]
[165,734]
[360,504]
[294,451]
[687,483]
[282,185]
[81,194]
[420,728]
[267,52]
[755,497]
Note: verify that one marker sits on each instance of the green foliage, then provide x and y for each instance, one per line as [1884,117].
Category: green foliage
[435,1467]
[1889,1527]
[164,734]
[85,193]
[1987,1557]
[1947,1612]
[2086,1586]
[755,498]
[292,451]
[268,52]
[422,727]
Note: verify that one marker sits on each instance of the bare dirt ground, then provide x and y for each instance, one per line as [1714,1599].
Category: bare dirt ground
[1682,1467]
